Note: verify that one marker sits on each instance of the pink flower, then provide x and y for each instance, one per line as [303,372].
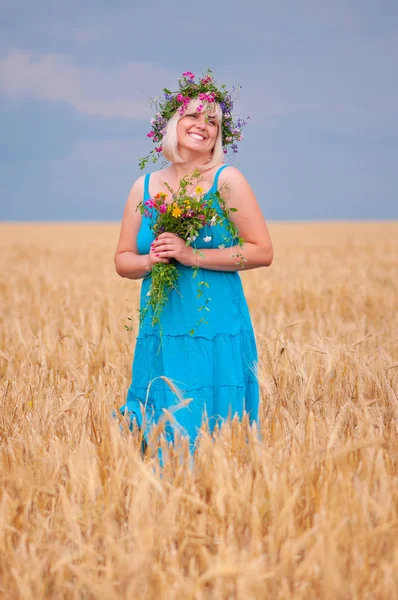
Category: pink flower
[163,208]
[159,149]
[150,134]
[189,75]
[207,97]
[205,80]
[180,98]
[151,203]
[200,108]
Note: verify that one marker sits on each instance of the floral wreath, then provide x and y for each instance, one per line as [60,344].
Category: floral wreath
[208,92]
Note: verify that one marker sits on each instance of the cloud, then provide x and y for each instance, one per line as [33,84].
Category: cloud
[101,92]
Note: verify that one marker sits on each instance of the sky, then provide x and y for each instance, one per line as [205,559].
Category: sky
[320,83]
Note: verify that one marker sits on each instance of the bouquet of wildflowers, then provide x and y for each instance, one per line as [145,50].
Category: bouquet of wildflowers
[184,216]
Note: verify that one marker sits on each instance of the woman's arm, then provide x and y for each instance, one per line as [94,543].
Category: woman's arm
[128,262]
[257,249]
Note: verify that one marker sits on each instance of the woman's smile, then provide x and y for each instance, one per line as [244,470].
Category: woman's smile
[196,136]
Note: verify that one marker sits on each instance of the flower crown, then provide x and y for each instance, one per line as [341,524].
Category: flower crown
[208,93]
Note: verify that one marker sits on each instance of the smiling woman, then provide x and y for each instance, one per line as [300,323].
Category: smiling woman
[215,365]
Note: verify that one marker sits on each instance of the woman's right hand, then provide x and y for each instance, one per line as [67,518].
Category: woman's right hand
[152,259]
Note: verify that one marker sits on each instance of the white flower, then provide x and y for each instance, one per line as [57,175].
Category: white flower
[213,220]
[221,246]
[192,238]
[207,238]
[149,293]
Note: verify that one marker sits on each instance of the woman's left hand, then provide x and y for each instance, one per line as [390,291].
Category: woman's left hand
[169,245]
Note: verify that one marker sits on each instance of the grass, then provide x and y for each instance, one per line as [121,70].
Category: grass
[310,512]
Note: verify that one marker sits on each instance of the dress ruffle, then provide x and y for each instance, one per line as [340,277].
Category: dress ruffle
[230,386]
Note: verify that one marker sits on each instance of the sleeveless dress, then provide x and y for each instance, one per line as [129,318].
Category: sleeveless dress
[216,366]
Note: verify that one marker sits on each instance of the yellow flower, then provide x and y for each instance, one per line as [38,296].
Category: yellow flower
[199,190]
[177,212]
[162,195]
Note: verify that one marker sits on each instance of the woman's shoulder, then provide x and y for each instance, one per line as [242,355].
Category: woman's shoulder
[136,191]
[231,175]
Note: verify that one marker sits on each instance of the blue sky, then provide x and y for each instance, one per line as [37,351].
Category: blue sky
[320,82]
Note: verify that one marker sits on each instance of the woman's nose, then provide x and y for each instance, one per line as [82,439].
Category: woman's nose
[201,121]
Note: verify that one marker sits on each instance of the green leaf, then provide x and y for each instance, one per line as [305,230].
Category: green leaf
[233,209]
[191,332]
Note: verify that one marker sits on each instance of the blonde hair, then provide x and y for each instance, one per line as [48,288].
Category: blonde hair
[170,138]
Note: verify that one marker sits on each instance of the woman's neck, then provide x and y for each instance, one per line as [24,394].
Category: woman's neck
[191,162]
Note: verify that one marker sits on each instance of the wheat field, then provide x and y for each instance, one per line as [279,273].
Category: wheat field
[310,511]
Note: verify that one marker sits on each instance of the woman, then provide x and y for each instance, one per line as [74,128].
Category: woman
[214,366]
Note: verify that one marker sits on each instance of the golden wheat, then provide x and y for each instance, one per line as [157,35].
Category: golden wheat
[309,512]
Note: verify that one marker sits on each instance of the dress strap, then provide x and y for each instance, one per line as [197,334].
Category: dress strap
[146,186]
[217,175]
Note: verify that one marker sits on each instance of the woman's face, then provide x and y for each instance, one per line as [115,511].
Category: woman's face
[197,132]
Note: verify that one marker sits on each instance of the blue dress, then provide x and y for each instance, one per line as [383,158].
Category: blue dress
[216,366]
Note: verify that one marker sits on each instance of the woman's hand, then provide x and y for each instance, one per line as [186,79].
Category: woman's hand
[152,259]
[169,245]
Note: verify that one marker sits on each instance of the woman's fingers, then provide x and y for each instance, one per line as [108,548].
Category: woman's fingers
[166,235]
[162,247]
[162,259]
